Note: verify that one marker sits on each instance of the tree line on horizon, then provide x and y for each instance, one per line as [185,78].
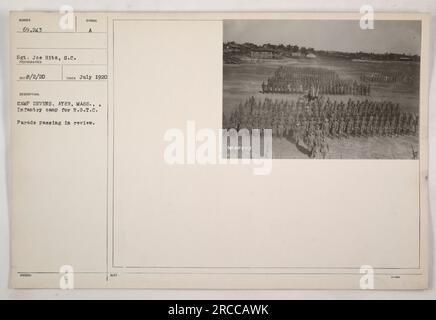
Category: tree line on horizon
[244,49]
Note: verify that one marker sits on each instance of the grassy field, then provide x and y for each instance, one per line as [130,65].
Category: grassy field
[244,80]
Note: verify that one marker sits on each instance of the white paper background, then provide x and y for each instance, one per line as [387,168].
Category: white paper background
[194,5]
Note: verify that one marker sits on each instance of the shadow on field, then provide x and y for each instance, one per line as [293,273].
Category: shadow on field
[303,150]
[299,147]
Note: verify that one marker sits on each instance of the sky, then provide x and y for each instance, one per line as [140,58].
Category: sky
[337,35]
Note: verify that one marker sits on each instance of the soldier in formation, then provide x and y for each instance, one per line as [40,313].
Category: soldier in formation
[387,77]
[310,123]
[323,81]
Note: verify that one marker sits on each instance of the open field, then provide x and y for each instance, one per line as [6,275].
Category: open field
[244,80]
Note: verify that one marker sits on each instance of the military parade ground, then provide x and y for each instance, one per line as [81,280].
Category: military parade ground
[326,107]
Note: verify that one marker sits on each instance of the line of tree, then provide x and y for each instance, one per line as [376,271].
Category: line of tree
[244,49]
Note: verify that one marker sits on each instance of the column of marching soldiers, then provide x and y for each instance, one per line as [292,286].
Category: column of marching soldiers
[289,79]
[311,122]
[387,77]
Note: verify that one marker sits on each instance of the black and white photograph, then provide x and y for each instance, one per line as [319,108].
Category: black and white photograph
[327,89]
[275,150]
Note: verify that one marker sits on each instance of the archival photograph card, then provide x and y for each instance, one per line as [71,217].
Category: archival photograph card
[219,150]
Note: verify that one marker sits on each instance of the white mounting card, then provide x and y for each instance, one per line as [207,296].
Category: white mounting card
[219,150]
